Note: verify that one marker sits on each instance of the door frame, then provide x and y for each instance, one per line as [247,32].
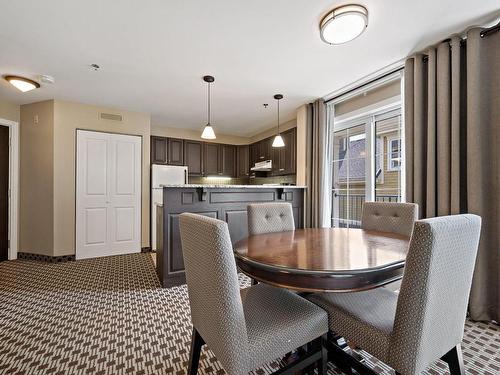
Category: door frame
[13,186]
[140,172]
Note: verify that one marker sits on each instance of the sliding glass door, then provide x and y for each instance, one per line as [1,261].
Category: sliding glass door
[367,164]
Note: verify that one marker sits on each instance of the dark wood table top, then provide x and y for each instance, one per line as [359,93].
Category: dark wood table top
[327,259]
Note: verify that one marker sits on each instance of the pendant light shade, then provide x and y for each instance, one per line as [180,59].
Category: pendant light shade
[208,130]
[278,140]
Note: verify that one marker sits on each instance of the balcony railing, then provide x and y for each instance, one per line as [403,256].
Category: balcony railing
[346,208]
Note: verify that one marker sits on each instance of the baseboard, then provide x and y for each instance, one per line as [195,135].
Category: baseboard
[60,258]
[46,258]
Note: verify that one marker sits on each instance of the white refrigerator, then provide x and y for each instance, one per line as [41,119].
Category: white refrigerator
[163,175]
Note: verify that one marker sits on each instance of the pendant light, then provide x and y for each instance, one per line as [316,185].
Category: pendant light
[278,140]
[208,130]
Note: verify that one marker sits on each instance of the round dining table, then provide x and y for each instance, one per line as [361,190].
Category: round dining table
[323,259]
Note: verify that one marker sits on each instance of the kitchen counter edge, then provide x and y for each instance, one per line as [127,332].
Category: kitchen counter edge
[190,186]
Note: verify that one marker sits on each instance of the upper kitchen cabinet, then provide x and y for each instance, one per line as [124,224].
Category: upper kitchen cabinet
[254,152]
[219,160]
[175,151]
[158,150]
[211,159]
[243,161]
[288,154]
[193,157]
[227,166]
[263,150]
[284,158]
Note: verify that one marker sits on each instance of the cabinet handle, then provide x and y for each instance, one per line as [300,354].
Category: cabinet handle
[262,157]
[282,169]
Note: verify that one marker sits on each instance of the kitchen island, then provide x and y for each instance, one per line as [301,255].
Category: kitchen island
[224,202]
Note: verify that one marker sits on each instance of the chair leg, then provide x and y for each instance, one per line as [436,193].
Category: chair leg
[323,364]
[194,354]
[455,361]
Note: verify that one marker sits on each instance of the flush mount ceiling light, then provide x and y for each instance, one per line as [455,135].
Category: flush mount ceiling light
[343,24]
[208,131]
[278,140]
[21,83]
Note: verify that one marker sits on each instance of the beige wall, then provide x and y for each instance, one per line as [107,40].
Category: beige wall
[301,145]
[9,111]
[371,97]
[195,135]
[36,180]
[67,118]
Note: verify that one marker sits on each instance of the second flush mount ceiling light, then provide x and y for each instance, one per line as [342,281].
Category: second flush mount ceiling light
[343,24]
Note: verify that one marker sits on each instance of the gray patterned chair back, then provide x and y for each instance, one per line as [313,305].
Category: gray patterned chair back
[432,303]
[213,288]
[389,217]
[270,218]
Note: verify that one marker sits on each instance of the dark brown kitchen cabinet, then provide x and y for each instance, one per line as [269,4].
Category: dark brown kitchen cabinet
[263,149]
[253,150]
[284,158]
[158,150]
[289,152]
[219,160]
[175,151]
[243,161]
[227,165]
[193,157]
[211,159]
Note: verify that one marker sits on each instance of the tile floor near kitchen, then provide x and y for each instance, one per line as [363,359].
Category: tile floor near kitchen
[110,316]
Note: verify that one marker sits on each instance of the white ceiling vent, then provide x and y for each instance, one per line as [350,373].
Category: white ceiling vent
[110,116]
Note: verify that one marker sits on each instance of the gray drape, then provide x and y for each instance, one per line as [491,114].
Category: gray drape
[318,176]
[452,125]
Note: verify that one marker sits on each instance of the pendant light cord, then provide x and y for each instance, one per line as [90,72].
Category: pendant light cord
[278,117]
[209,103]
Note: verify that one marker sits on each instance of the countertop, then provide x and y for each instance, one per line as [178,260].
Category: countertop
[187,186]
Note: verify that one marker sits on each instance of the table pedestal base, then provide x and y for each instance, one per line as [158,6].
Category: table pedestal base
[345,361]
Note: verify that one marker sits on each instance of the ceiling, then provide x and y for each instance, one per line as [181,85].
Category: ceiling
[153,53]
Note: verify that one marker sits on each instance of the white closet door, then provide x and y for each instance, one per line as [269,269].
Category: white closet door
[108,194]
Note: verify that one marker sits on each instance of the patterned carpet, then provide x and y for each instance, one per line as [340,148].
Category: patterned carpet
[110,316]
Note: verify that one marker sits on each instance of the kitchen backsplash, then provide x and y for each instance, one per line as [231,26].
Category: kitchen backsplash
[218,181]
[243,181]
[273,180]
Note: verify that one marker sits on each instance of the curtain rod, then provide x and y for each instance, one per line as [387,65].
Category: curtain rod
[490,30]
[463,39]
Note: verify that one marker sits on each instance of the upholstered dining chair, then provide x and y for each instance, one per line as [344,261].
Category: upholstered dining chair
[248,328]
[270,218]
[426,320]
[389,217]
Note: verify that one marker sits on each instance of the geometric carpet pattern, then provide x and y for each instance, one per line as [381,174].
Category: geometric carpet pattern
[110,316]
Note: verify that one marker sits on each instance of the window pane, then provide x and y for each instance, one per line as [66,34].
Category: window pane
[349,175]
[388,159]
